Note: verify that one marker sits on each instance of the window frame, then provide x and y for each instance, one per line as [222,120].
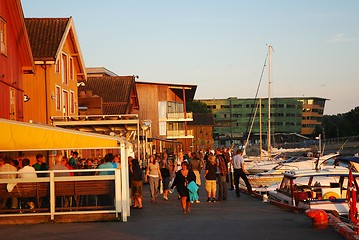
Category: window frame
[3,37]
[64,68]
[58,97]
[72,102]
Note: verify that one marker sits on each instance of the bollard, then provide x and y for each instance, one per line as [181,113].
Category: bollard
[265,197]
[319,218]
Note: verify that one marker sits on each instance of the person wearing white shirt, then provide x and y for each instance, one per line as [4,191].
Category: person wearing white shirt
[238,166]
[27,171]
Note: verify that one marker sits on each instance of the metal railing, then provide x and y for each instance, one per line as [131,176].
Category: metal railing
[120,202]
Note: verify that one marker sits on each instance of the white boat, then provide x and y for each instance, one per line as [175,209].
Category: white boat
[273,177]
[324,189]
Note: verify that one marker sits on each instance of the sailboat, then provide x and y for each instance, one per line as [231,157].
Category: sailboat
[267,159]
[267,171]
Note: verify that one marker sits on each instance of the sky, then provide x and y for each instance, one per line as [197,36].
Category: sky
[221,45]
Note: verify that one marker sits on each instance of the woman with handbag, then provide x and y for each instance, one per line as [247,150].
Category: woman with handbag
[181,182]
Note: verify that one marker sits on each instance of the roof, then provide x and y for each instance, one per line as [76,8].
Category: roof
[114,90]
[202,119]
[45,36]
[190,90]
[99,72]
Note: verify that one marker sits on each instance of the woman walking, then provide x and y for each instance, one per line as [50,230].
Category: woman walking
[183,178]
[165,173]
[211,176]
[136,185]
[153,174]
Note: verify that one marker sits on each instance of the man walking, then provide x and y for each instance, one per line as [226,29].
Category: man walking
[222,171]
[238,165]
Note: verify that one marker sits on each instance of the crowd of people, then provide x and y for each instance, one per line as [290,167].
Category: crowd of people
[221,168]
[28,171]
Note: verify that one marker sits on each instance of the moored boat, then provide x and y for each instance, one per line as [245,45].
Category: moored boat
[324,189]
[272,178]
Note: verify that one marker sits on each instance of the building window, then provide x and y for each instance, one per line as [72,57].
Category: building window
[224,106]
[12,104]
[237,106]
[57,66]
[3,36]
[65,101]
[72,102]
[64,68]
[58,98]
[71,68]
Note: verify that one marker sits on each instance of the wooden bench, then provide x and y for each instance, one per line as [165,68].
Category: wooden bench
[36,190]
[76,189]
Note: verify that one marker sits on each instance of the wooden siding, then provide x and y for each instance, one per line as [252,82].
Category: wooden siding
[41,87]
[35,108]
[148,97]
[15,62]
[203,137]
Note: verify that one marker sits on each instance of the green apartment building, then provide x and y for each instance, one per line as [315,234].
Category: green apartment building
[233,117]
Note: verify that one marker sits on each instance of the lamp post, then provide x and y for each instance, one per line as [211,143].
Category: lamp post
[145,125]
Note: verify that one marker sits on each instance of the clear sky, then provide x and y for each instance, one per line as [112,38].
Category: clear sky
[221,45]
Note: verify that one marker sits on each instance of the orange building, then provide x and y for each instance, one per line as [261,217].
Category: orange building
[59,69]
[15,60]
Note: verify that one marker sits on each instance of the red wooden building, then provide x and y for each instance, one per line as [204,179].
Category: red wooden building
[15,60]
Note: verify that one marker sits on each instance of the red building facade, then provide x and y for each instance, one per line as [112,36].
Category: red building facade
[15,59]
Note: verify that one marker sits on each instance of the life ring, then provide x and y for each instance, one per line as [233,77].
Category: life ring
[331,195]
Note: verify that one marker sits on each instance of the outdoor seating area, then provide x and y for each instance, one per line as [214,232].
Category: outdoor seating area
[54,196]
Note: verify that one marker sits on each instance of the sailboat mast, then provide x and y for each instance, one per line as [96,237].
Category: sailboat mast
[260,128]
[270,50]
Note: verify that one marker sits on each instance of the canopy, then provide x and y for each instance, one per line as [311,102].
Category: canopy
[21,136]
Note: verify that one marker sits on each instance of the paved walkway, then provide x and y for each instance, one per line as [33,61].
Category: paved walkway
[237,218]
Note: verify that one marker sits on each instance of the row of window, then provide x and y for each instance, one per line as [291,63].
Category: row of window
[318,119]
[319,102]
[238,115]
[228,124]
[66,64]
[255,106]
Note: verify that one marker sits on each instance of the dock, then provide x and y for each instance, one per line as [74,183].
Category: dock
[236,218]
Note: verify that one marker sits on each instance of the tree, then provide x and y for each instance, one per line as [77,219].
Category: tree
[341,125]
[197,107]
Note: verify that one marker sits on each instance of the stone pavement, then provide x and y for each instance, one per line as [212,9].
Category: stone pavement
[237,218]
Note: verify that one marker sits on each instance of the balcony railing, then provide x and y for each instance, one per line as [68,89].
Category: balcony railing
[179,116]
[179,134]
